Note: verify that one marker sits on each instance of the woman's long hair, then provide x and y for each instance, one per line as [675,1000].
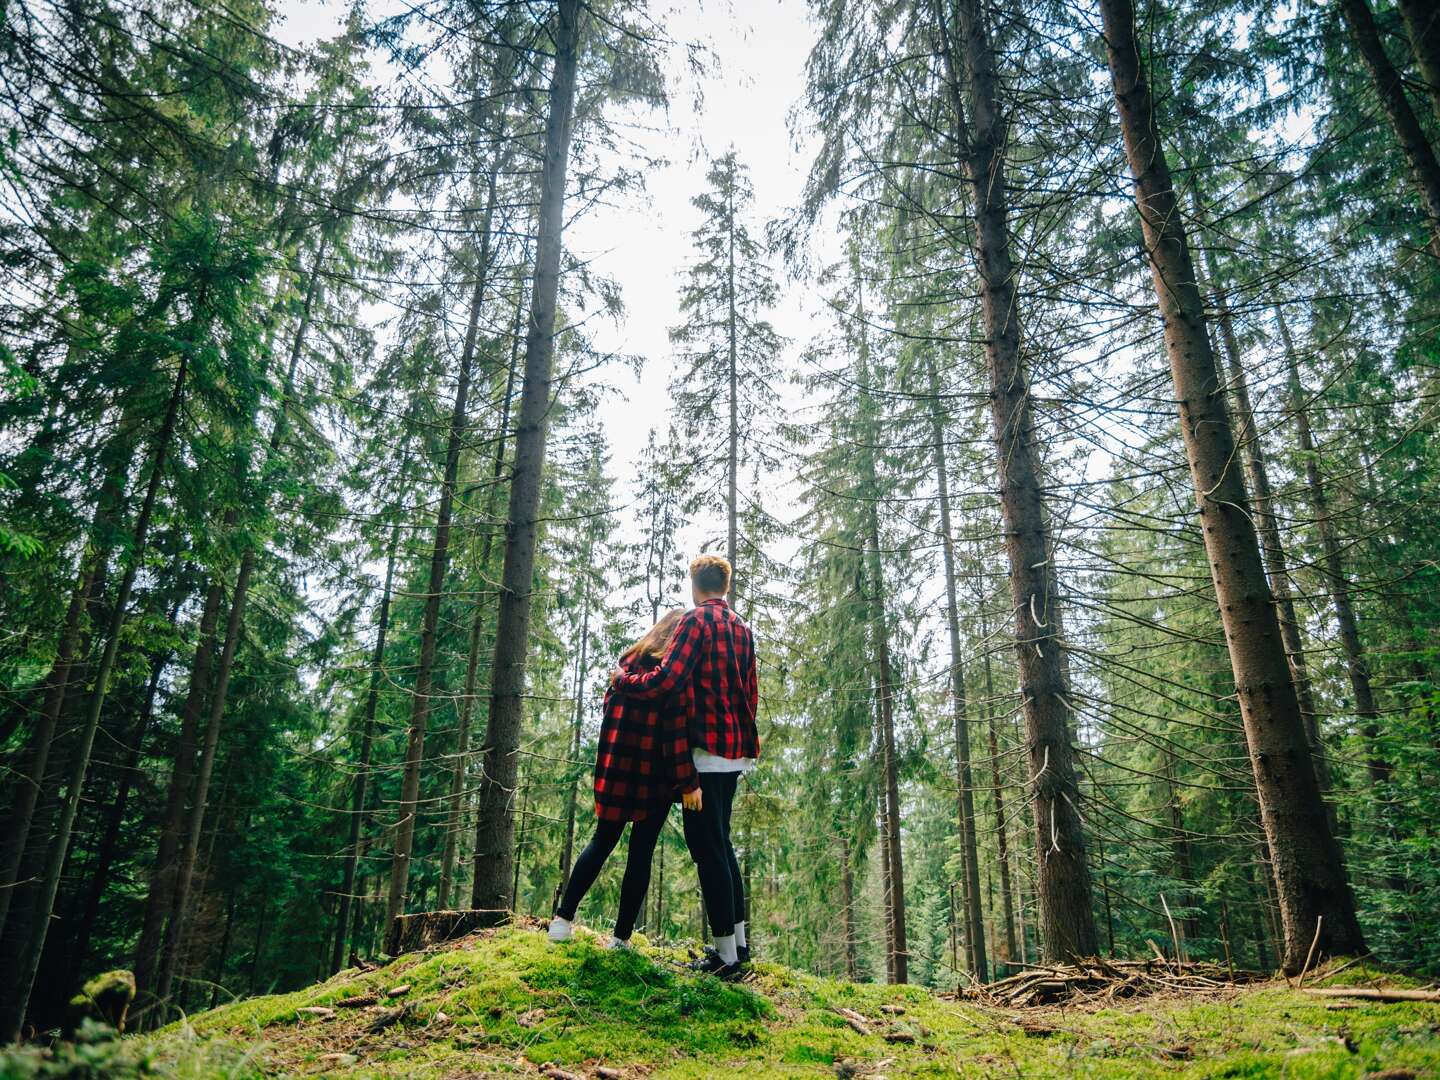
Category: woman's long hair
[656,640]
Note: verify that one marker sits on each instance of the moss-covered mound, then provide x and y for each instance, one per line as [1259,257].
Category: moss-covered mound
[509,1003]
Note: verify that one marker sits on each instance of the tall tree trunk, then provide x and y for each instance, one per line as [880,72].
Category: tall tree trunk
[13,1014]
[878,616]
[847,898]
[1066,917]
[439,563]
[1002,841]
[965,791]
[1263,507]
[1309,867]
[455,803]
[1420,155]
[1357,667]
[1422,24]
[578,716]
[182,774]
[882,820]
[344,929]
[109,848]
[495,826]
[732,459]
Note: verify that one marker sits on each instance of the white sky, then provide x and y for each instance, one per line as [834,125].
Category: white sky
[755,77]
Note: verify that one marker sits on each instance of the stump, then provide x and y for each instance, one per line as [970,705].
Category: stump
[105,998]
[411,933]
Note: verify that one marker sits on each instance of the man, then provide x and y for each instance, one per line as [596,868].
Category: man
[712,655]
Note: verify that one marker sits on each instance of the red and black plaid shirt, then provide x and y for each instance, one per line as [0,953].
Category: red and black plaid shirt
[643,762]
[713,653]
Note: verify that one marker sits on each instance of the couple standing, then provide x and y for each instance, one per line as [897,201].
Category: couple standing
[679,724]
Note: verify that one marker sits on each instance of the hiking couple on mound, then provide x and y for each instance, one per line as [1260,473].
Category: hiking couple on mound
[679,726]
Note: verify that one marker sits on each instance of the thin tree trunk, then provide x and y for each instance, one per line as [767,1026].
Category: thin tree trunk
[519,848]
[1007,902]
[1422,24]
[1420,155]
[439,563]
[886,888]
[217,980]
[847,898]
[880,634]
[99,877]
[965,791]
[1357,666]
[182,773]
[362,773]
[14,1013]
[732,465]
[580,668]
[182,776]
[1309,867]
[1063,873]
[454,814]
[495,826]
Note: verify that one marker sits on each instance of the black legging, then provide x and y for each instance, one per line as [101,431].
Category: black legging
[643,835]
[707,835]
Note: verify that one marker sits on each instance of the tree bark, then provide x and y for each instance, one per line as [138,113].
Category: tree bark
[1066,917]
[1420,155]
[1276,563]
[965,791]
[1422,24]
[495,824]
[455,802]
[15,1007]
[344,930]
[1309,867]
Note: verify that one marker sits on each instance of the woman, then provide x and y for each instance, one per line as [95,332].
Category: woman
[642,765]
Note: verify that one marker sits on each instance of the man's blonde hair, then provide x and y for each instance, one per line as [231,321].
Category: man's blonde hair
[711,574]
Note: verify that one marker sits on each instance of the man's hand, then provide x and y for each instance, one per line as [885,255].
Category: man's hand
[691,800]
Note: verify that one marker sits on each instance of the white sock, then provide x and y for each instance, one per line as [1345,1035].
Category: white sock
[740,934]
[561,929]
[725,946]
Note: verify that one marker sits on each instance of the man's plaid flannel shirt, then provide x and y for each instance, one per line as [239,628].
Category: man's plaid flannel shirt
[712,648]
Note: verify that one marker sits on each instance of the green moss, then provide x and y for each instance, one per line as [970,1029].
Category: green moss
[512,996]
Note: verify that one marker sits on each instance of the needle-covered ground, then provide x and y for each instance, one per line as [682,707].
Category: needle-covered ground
[509,1003]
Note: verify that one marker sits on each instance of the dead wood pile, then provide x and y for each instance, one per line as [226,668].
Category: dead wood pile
[1102,981]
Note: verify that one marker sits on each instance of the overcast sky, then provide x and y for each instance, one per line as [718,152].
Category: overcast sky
[743,98]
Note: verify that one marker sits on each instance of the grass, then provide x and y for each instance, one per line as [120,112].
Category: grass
[506,1002]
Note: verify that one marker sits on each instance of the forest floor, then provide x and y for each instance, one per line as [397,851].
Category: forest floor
[506,1002]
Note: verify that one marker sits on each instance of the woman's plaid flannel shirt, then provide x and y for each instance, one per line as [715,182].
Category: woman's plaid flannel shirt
[713,651]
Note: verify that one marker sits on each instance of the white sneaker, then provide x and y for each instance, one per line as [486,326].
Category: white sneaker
[619,943]
[561,929]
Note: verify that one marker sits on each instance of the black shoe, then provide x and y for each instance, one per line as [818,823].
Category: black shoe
[710,963]
[744,953]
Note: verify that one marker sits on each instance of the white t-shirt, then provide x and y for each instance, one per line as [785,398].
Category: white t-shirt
[707,762]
